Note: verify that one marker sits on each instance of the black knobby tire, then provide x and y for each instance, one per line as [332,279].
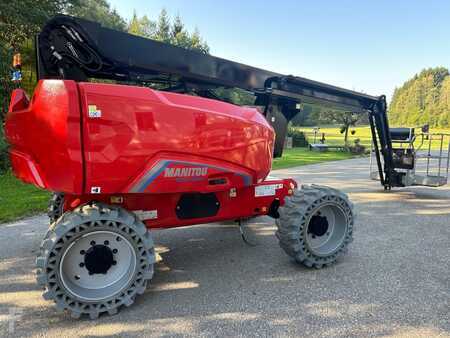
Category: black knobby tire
[55,206]
[56,253]
[315,225]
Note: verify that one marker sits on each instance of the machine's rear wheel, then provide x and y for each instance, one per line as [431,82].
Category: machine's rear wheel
[55,206]
[315,225]
[95,259]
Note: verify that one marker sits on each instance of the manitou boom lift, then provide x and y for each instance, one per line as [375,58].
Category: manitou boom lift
[154,146]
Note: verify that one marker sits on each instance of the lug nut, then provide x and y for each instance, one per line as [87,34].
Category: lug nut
[82,252]
[92,243]
[106,242]
[114,262]
[115,251]
[118,239]
[81,265]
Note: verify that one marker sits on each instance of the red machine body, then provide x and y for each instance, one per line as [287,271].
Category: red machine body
[154,152]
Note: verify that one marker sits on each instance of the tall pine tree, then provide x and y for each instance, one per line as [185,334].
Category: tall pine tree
[169,31]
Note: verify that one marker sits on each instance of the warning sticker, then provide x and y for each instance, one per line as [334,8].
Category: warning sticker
[93,111]
[267,190]
[146,214]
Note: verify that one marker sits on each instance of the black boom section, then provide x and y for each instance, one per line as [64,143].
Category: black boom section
[125,56]
[83,49]
[78,49]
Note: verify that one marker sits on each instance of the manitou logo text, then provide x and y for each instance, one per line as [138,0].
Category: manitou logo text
[185,172]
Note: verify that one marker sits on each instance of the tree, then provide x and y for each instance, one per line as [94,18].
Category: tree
[179,36]
[21,20]
[134,27]
[177,26]
[141,26]
[98,11]
[197,42]
[163,27]
[148,27]
[344,119]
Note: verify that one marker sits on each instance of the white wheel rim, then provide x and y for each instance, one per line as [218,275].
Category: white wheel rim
[76,278]
[332,239]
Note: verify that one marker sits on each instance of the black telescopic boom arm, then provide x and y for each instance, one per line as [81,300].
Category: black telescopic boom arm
[77,49]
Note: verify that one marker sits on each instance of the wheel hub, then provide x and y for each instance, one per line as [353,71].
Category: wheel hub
[99,259]
[318,225]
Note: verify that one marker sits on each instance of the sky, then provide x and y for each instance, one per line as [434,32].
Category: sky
[370,46]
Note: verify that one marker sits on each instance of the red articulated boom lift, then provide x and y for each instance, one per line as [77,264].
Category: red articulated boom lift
[124,159]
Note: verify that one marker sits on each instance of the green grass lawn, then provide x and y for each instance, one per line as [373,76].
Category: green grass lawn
[302,156]
[334,137]
[18,199]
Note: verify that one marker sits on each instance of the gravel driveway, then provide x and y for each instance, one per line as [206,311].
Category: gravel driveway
[395,280]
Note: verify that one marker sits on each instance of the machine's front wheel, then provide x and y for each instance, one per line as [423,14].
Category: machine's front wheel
[315,225]
[95,259]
